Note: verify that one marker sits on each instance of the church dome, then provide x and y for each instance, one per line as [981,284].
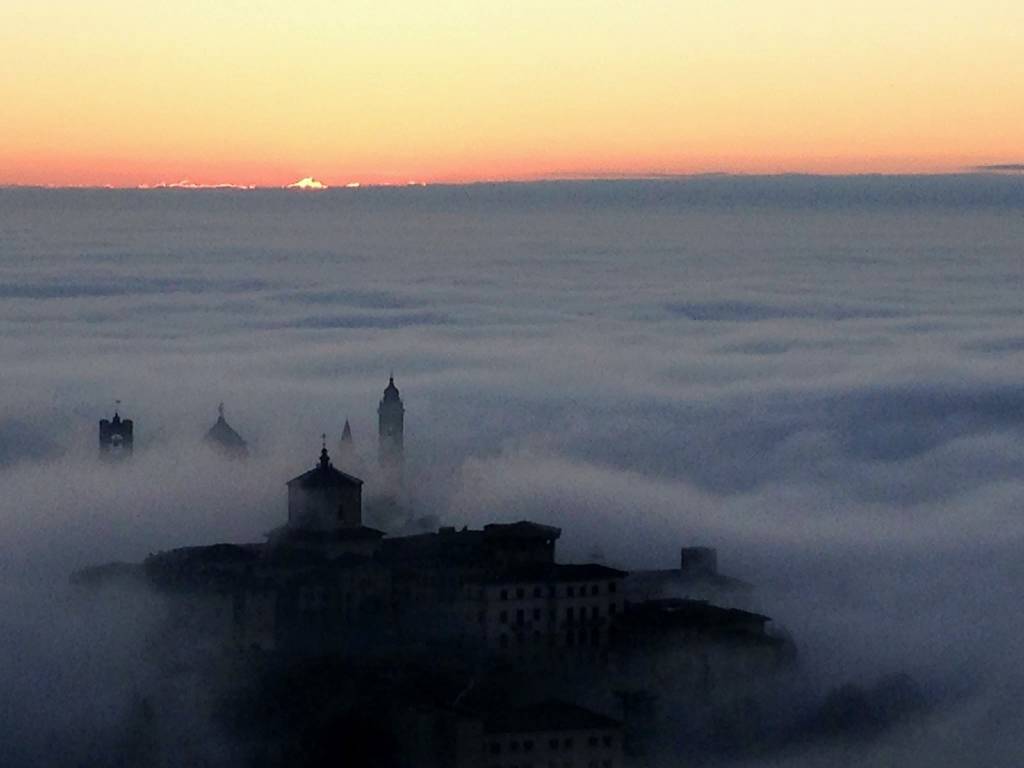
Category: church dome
[224,438]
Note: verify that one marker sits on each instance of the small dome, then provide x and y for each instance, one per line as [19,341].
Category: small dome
[224,438]
[391,391]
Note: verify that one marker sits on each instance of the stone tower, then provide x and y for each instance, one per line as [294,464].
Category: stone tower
[391,428]
[116,437]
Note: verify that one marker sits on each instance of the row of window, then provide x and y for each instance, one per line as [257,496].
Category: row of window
[554,744]
[556,764]
[582,590]
[580,637]
[570,614]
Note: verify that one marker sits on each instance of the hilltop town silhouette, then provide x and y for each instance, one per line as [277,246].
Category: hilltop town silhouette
[455,647]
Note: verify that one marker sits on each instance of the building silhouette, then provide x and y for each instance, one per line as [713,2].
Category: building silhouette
[325,498]
[390,433]
[116,437]
[223,438]
[325,513]
[467,647]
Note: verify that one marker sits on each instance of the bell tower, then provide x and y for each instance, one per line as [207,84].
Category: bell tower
[390,430]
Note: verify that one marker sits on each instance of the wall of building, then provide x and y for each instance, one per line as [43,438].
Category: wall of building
[325,508]
[534,619]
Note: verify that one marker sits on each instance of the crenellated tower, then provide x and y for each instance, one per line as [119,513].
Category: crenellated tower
[117,436]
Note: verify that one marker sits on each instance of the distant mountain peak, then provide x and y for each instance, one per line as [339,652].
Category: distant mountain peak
[308,183]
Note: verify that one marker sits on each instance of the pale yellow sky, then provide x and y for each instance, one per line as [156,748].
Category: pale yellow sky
[266,92]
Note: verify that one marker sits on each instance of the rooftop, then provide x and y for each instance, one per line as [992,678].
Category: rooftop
[324,474]
[695,614]
[523,529]
[675,575]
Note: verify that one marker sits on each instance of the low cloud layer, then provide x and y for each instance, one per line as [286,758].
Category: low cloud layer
[823,382]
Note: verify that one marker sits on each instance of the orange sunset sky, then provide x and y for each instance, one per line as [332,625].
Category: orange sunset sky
[129,92]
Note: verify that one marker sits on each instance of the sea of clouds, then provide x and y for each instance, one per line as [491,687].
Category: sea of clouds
[822,378]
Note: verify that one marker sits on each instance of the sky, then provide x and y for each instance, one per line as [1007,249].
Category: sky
[821,378]
[130,92]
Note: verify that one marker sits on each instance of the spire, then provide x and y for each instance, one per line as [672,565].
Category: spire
[325,459]
[346,433]
[391,391]
[220,411]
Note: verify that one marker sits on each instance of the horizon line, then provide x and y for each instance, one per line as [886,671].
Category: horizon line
[1001,169]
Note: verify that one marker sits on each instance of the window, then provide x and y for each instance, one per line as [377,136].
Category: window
[595,612]
[612,586]
[595,637]
[519,617]
[553,745]
[528,746]
[567,743]
[593,589]
[568,614]
[504,641]
[570,591]
[592,741]
[520,593]
[536,614]
[536,591]
[607,741]
[570,636]
[612,609]
[495,748]
[504,594]
[513,746]
[504,617]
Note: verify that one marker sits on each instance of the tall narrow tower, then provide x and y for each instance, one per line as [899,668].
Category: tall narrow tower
[348,459]
[391,427]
